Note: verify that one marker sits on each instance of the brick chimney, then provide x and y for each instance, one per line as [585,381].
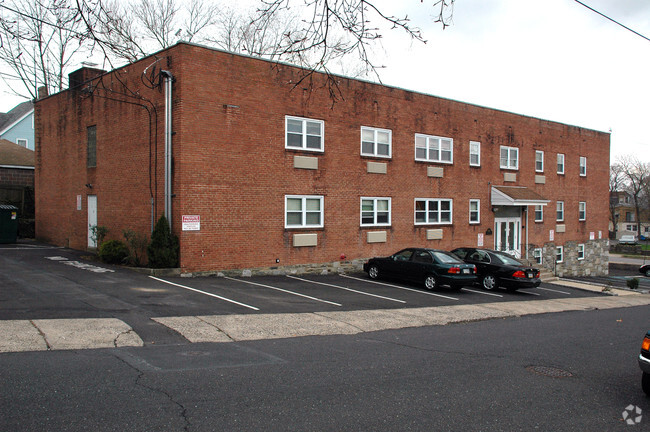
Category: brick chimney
[77,78]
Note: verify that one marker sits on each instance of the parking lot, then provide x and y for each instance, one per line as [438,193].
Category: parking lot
[48,292]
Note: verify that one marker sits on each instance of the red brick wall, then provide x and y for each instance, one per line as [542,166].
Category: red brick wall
[16,177]
[232,169]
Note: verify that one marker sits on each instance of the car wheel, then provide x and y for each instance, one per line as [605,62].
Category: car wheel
[489,282]
[430,282]
[645,383]
[647,272]
[373,272]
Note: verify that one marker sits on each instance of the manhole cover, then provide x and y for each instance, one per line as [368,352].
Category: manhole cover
[549,371]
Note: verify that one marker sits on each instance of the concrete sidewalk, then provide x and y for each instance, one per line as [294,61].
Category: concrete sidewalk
[61,334]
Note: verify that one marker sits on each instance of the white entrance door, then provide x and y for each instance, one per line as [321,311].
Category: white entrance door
[92,220]
[507,235]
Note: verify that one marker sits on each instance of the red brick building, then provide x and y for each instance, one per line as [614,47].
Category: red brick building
[278,175]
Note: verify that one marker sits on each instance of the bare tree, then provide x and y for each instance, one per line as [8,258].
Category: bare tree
[616,185]
[637,177]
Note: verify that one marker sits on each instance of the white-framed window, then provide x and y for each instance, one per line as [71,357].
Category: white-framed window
[559,254]
[433,211]
[539,213]
[474,211]
[375,211]
[631,227]
[560,163]
[583,166]
[537,256]
[509,158]
[22,142]
[304,134]
[539,161]
[303,211]
[581,251]
[560,211]
[582,210]
[376,142]
[431,148]
[474,153]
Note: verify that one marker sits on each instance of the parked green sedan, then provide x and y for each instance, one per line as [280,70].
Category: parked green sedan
[429,266]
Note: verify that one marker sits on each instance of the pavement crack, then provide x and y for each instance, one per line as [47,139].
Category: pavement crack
[40,332]
[361,330]
[220,330]
[129,331]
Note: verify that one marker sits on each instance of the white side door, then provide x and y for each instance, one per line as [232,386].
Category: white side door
[92,220]
[507,236]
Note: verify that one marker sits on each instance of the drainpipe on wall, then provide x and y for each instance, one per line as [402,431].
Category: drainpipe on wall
[169,78]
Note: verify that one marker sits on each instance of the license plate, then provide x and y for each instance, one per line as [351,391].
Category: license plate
[531,275]
[466,271]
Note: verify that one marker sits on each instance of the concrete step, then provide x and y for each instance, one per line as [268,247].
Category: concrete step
[547,276]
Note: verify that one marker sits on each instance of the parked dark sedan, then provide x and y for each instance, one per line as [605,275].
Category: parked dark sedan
[497,269]
[645,269]
[429,266]
[644,363]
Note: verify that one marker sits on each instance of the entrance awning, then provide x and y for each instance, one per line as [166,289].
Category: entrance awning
[516,196]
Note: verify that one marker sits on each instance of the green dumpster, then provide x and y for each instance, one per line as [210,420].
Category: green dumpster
[8,223]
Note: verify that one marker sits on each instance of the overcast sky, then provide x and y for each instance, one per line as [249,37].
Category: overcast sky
[552,59]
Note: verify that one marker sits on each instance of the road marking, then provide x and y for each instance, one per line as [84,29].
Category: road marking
[283,290]
[528,292]
[206,293]
[347,289]
[557,291]
[399,287]
[80,265]
[482,292]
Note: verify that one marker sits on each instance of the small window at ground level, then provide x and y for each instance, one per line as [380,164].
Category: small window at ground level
[559,254]
[433,211]
[375,211]
[303,211]
[537,255]
[581,251]
[304,134]
[474,211]
[376,142]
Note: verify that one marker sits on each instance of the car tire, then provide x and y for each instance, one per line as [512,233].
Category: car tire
[645,383]
[430,282]
[489,282]
[373,272]
[647,272]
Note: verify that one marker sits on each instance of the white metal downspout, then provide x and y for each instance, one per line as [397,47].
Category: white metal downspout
[168,145]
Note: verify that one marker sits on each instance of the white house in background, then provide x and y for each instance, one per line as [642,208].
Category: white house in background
[17,125]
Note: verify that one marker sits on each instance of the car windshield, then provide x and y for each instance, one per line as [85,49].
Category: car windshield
[507,259]
[446,258]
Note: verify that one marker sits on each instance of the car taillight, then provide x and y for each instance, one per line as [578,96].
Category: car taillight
[454,270]
[537,275]
[519,274]
[474,269]
[646,344]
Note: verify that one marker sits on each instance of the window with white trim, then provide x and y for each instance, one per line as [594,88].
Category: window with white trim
[559,254]
[537,256]
[375,211]
[376,142]
[560,211]
[509,158]
[582,211]
[433,211]
[431,148]
[22,142]
[560,163]
[539,213]
[539,161]
[474,153]
[304,134]
[581,251]
[303,211]
[583,166]
[474,211]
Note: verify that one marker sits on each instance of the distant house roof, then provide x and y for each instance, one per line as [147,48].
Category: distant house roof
[13,155]
[18,112]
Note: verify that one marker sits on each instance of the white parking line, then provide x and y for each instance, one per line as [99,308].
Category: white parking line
[347,289]
[528,292]
[399,287]
[482,292]
[548,289]
[206,293]
[283,290]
